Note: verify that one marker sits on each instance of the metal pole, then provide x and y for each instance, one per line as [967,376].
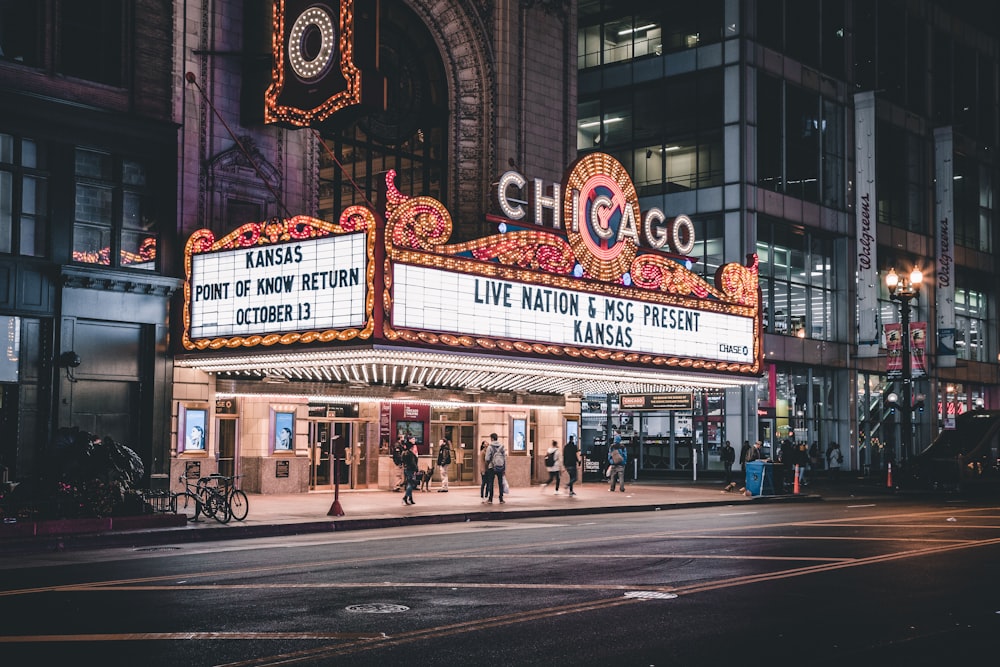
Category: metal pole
[907,407]
[335,509]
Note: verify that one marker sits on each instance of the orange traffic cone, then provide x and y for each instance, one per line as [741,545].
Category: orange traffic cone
[795,484]
[888,479]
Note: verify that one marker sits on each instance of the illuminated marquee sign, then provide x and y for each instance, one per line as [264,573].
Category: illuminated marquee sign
[300,280]
[601,214]
[443,301]
[323,60]
[654,402]
[588,276]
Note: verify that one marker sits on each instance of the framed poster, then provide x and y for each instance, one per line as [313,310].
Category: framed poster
[191,436]
[283,430]
[572,431]
[518,435]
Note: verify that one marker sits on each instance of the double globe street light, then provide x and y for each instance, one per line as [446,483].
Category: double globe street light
[904,290]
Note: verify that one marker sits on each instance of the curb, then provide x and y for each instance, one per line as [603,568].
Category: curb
[153,537]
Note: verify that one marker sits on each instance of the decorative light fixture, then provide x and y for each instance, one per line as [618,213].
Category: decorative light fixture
[904,290]
[69,360]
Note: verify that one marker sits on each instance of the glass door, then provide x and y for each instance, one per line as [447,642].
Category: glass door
[319,456]
[463,450]
[227,448]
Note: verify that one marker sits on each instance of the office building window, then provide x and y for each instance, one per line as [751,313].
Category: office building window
[971,324]
[800,143]
[811,32]
[610,33]
[673,152]
[114,224]
[973,187]
[24,201]
[798,281]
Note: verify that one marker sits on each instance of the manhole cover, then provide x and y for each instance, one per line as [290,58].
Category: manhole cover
[156,549]
[650,595]
[377,608]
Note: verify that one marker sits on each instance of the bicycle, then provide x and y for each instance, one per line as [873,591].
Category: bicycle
[239,504]
[213,497]
[199,498]
[236,500]
[186,502]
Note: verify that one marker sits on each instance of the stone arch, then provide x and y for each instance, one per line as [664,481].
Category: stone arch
[233,181]
[460,29]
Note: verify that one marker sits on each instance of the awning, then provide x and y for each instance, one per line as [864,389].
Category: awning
[470,373]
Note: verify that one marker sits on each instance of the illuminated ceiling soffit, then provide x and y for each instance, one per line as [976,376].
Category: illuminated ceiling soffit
[417,368]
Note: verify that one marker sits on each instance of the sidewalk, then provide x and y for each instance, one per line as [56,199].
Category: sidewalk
[296,514]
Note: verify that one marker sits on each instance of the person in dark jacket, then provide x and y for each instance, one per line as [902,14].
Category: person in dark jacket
[571,461]
[484,471]
[744,452]
[728,458]
[410,466]
[443,461]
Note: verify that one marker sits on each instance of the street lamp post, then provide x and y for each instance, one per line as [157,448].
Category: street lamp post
[904,291]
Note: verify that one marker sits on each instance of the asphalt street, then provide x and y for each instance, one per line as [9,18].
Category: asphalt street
[864,581]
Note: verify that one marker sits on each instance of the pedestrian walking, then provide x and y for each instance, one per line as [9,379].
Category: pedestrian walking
[744,452]
[834,458]
[618,458]
[496,461]
[728,458]
[802,461]
[571,461]
[484,471]
[443,461]
[410,466]
[553,463]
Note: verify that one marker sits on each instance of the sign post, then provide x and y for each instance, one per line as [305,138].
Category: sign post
[338,452]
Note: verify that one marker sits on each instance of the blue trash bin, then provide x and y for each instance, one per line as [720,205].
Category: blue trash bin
[762,478]
[755,477]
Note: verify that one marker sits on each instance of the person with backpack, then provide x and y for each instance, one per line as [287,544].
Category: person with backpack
[617,458]
[496,466]
[553,463]
[571,461]
[443,461]
[398,450]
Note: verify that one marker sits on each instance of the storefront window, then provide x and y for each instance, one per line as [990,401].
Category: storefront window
[805,409]
[659,441]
